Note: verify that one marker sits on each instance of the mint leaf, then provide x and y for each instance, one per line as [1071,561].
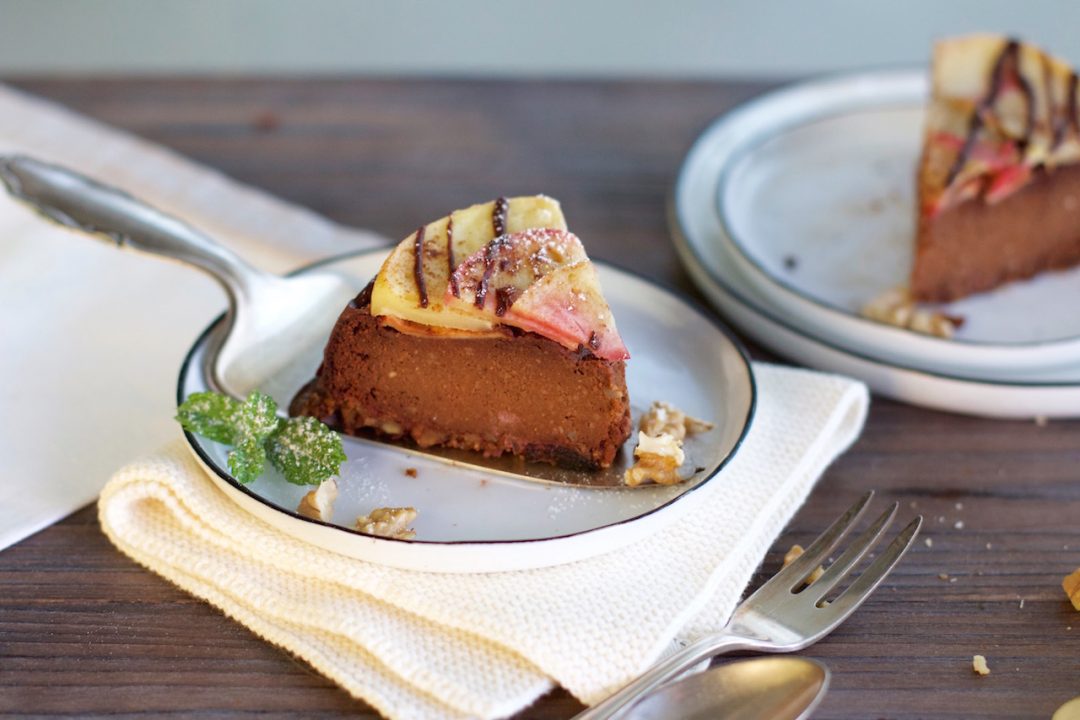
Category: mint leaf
[247,461]
[257,417]
[211,415]
[305,451]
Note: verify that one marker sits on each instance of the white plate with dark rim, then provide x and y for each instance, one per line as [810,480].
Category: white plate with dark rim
[697,232]
[472,520]
[815,198]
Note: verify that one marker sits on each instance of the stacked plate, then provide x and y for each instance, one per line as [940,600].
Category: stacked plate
[796,209]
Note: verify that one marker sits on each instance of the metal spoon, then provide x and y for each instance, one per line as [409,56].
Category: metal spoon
[769,688]
[269,317]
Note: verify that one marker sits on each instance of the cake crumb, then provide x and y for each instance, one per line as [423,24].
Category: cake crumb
[943,576]
[388,522]
[795,552]
[411,472]
[896,307]
[959,525]
[959,506]
[659,453]
[929,542]
[978,664]
[1071,586]
[1021,603]
[319,503]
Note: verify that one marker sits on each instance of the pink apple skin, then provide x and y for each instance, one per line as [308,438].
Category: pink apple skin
[540,281]
[566,306]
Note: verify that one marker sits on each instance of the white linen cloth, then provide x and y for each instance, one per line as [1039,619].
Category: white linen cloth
[419,644]
[91,342]
[91,339]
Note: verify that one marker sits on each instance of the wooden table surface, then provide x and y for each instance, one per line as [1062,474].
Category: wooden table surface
[84,631]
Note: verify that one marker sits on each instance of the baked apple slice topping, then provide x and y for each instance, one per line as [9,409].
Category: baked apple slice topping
[413,280]
[1000,109]
[506,262]
[540,281]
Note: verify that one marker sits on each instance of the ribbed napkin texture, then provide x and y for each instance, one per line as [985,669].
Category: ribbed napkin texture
[419,644]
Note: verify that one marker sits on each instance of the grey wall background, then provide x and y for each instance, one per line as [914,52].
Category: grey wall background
[697,38]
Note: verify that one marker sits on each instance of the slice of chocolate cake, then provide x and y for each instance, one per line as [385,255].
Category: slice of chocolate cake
[998,181]
[485,330]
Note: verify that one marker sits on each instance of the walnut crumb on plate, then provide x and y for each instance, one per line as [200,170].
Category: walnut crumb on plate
[388,522]
[896,307]
[319,503]
[659,454]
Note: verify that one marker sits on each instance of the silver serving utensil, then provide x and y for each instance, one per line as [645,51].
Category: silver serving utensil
[269,317]
[274,330]
[784,614]
[770,688]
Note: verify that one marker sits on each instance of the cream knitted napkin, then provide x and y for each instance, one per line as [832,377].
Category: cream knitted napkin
[428,645]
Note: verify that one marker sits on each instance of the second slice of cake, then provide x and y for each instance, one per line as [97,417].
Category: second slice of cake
[999,179]
[485,330]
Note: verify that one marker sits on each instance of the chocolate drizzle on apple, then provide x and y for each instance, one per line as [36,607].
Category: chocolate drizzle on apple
[498,216]
[418,266]
[504,298]
[1062,124]
[498,226]
[450,264]
[1007,65]
[489,267]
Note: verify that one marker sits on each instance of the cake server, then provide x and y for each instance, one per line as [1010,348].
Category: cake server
[274,328]
[268,316]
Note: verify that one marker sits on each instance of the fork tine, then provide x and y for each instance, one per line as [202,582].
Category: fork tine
[865,584]
[852,555]
[794,574]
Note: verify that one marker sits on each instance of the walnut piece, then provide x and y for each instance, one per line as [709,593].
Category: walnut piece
[978,664]
[389,522]
[665,419]
[795,552]
[1071,585]
[659,453]
[319,503]
[896,307]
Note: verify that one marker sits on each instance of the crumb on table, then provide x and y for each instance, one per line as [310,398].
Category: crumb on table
[978,664]
[796,551]
[1071,585]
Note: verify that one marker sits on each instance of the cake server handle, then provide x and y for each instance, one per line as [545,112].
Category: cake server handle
[76,201]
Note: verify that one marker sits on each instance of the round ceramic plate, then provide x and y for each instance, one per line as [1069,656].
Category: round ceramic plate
[470,520]
[816,203]
[697,232]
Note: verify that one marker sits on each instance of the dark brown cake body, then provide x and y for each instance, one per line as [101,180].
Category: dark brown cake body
[977,245]
[517,393]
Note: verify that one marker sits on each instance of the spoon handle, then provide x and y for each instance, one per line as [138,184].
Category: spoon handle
[664,671]
[76,201]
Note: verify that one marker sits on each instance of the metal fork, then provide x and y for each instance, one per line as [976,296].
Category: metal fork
[785,614]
